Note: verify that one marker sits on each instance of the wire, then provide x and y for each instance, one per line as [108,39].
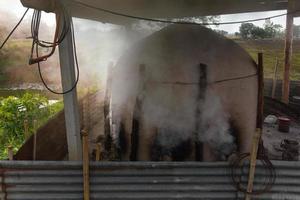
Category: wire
[210,83]
[180,22]
[237,174]
[12,31]
[67,27]
[232,79]
[77,70]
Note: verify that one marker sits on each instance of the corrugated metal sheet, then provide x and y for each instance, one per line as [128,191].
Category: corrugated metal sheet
[41,180]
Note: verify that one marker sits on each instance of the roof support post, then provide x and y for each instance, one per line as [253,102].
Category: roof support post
[68,78]
[288,52]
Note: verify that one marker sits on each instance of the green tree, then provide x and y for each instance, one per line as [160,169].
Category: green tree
[246,30]
[271,30]
[296,31]
[258,33]
[14,111]
[250,31]
[221,32]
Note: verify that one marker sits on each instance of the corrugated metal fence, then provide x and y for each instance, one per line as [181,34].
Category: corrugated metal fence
[29,180]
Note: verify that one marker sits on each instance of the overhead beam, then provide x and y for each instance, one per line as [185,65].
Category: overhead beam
[68,78]
[288,52]
[166,9]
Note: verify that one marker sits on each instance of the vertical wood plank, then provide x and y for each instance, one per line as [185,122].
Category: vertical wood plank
[34,139]
[288,52]
[274,82]
[86,165]
[260,100]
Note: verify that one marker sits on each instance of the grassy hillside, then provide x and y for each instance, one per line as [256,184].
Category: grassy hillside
[272,50]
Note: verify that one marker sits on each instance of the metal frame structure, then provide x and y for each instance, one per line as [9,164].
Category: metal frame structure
[151,9]
[68,76]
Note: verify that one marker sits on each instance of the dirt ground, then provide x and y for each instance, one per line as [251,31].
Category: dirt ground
[272,139]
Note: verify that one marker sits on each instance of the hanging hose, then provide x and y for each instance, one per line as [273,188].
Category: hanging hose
[237,167]
[66,27]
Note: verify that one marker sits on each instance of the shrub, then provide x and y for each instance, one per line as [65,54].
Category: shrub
[32,109]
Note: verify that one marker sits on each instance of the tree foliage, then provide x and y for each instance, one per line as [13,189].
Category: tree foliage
[271,29]
[221,32]
[13,114]
[155,26]
[246,30]
[250,31]
[296,31]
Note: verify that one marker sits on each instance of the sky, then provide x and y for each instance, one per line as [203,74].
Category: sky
[16,8]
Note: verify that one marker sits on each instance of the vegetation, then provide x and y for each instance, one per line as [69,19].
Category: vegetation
[250,31]
[296,31]
[273,49]
[30,110]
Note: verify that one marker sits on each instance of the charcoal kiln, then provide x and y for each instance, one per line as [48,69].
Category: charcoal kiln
[184,93]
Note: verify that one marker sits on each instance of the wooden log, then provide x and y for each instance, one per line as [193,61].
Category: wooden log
[274,81]
[85,165]
[288,52]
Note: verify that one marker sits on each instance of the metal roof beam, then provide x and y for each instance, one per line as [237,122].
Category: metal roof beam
[156,8]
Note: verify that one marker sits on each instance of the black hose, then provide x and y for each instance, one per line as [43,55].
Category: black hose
[236,173]
[67,27]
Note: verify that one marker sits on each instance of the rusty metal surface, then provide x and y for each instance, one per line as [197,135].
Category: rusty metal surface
[137,180]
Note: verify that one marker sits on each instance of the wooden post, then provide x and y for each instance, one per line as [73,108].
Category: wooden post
[260,100]
[26,129]
[10,152]
[259,125]
[85,165]
[288,52]
[34,139]
[253,158]
[86,111]
[274,82]
[98,151]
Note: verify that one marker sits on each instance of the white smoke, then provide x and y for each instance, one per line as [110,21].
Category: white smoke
[173,109]
[171,58]
[215,127]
